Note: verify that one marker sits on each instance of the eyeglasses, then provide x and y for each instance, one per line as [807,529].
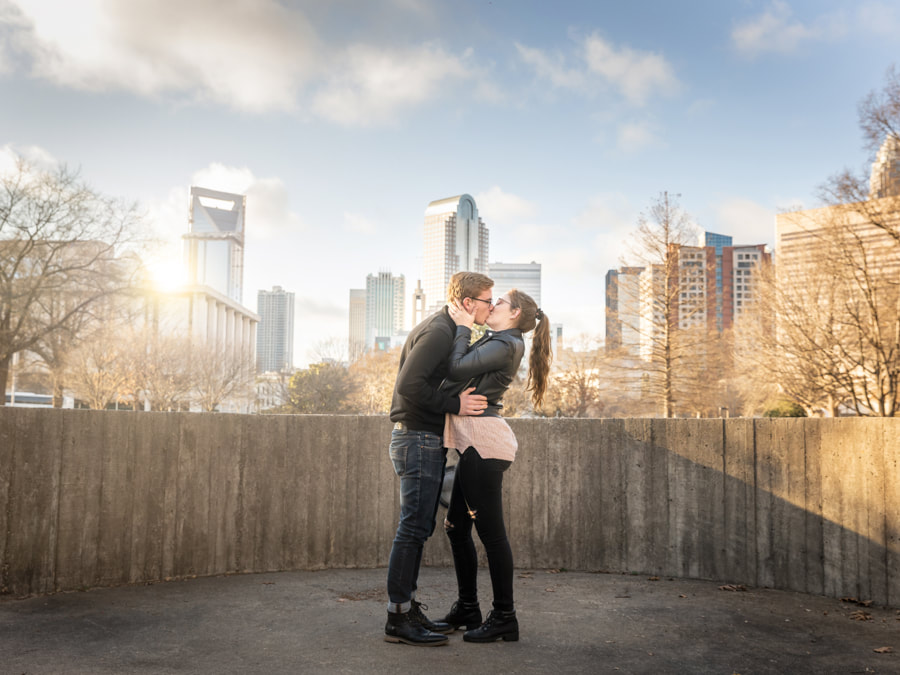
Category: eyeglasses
[500,301]
[489,301]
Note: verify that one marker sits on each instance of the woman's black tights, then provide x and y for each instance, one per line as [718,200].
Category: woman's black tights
[477,498]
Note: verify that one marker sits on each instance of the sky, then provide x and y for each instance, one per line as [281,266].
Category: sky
[342,120]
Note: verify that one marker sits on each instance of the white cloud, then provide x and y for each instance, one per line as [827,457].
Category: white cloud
[370,85]
[249,55]
[776,30]
[635,136]
[497,207]
[33,154]
[551,68]
[637,74]
[746,221]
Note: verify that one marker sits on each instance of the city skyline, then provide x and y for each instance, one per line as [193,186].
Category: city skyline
[342,121]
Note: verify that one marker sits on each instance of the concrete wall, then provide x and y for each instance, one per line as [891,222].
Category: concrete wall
[101,498]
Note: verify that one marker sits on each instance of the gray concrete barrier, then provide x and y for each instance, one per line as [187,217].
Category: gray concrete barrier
[103,498]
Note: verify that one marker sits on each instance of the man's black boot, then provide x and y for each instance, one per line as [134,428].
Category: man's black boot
[416,614]
[401,628]
[466,615]
[499,626]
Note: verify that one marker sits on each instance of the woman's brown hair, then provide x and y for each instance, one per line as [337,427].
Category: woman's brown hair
[533,318]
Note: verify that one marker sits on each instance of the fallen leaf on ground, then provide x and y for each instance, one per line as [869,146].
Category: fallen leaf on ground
[733,587]
[653,579]
[860,615]
[884,650]
[550,590]
[857,601]
[371,594]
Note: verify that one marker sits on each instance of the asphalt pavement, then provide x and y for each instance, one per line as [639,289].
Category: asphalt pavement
[332,621]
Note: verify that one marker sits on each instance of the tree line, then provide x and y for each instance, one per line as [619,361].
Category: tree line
[73,303]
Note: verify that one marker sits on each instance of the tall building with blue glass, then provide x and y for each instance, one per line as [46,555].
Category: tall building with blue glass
[718,242]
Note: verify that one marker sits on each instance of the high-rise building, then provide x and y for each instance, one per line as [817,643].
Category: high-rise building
[214,244]
[742,266]
[556,338]
[717,242]
[714,286]
[623,309]
[456,240]
[885,178]
[801,236]
[385,307]
[696,293]
[652,283]
[419,307]
[357,321]
[525,277]
[275,333]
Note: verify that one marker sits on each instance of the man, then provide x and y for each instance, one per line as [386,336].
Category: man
[418,454]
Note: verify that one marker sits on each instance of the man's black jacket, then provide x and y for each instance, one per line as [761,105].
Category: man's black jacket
[418,400]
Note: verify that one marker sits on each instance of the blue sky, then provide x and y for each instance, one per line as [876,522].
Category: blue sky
[342,120]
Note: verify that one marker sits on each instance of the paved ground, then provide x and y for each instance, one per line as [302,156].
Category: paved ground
[332,621]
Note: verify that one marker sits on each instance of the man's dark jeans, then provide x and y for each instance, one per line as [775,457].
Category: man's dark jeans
[419,458]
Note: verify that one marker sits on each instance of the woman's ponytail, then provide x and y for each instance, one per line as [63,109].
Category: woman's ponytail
[533,318]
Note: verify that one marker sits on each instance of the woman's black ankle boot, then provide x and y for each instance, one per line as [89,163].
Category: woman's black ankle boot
[500,625]
[464,615]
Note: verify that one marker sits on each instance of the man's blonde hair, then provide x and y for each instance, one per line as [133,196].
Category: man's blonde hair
[467,285]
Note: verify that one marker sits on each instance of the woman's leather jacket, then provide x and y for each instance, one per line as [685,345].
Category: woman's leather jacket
[489,365]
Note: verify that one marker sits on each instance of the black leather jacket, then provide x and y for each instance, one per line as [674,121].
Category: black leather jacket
[489,365]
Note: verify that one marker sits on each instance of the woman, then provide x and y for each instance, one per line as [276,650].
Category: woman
[487,447]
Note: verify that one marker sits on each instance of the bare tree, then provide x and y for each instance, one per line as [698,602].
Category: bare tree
[837,339]
[666,309]
[165,372]
[60,247]
[219,375]
[108,317]
[334,350]
[705,389]
[576,382]
[95,370]
[374,375]
[837,342]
